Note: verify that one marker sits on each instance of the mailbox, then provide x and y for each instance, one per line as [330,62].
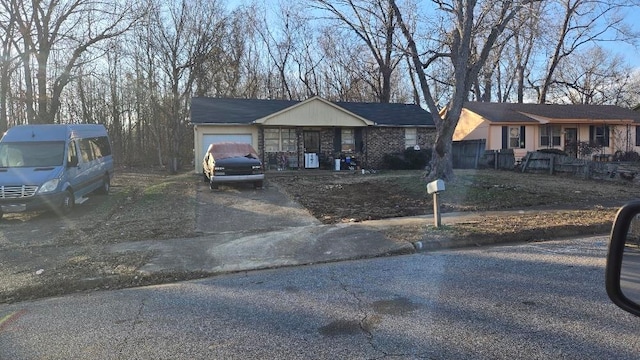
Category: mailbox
[435,186]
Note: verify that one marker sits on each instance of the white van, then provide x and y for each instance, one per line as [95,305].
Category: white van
[53,166]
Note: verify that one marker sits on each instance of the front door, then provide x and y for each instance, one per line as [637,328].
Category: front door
[312,142]
[571,141]
[311,149]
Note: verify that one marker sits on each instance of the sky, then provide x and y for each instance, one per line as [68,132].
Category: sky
[629,52]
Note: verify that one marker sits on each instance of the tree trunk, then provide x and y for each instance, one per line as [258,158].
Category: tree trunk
[4,93]
[441,166]
[441,155]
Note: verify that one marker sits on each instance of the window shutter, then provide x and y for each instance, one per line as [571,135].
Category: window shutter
[592,134]
[357,133]
[637,135]
[505,137]
[606,135]
[337,140]
[522,137]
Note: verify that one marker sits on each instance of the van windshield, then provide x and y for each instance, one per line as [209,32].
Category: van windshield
[31,154]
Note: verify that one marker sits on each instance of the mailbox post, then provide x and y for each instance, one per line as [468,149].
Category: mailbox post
[434,188]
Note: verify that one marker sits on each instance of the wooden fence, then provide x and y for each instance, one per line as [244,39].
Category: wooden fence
[540,162]
[468,154]
[472,154]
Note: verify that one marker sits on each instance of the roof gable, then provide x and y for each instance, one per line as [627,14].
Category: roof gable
[545,113]
[224,111]
[314,112]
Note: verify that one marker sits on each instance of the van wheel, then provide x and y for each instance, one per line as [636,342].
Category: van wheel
[68,202]
[106,186]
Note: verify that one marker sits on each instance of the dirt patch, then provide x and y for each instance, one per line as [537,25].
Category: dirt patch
[46,254]
[567,206]
[349,197]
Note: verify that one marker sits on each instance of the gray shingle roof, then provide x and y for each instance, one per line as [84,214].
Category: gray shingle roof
[244,111]
[507,112]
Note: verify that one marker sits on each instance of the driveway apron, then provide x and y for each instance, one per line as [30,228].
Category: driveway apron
[240,208]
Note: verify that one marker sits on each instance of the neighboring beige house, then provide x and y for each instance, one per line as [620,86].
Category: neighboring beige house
[530,127]
[311,133]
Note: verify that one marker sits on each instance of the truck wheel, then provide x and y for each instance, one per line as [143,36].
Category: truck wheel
[68,201]
[212,185]
[205,178]
[258,184]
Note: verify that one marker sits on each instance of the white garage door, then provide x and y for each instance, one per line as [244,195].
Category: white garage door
[218,138]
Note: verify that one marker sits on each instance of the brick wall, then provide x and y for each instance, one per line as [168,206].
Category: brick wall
[426,137]
[390,140]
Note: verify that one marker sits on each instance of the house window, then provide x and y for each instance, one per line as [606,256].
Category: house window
[276,140]
[288,140]
[514,137]
[271,140]
[410,137]
[599,135]
[348,140]
[550,135]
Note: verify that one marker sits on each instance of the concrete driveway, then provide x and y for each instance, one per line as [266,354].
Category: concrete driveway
[246,229]
[241,208]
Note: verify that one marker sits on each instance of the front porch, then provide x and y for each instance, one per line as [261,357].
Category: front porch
[285,148]
[282,161]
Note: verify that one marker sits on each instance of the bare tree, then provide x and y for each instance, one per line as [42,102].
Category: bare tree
[306,59]
[67,29]
[526,32]
[342,71]
[8,63]
[593,77]
[183,38]
[467,53]
[278,42]
[509,62]
[374,23]
[221,71]
[581,22]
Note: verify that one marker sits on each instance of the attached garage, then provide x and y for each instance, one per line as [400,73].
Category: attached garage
[218,138]
[205,135]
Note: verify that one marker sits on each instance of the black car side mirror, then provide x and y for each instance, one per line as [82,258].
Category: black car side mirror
[622,277]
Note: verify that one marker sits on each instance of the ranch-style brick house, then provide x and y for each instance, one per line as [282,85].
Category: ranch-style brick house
[311,133]
[531,127]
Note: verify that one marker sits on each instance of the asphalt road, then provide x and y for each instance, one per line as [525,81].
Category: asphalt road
[539,300]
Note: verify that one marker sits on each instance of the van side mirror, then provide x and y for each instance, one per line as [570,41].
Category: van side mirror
[622,277]
[73,161]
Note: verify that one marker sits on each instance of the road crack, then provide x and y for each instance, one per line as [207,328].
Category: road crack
[137,319]
[366,322]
